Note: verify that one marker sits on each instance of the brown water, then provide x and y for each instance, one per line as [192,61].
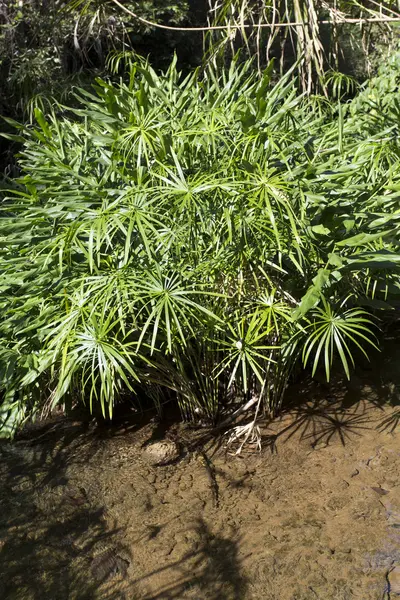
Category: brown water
[315,515]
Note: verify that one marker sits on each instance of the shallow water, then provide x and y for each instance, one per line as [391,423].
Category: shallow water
[84,516]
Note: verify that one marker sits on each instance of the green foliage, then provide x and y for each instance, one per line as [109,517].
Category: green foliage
[46,47]
[198,235]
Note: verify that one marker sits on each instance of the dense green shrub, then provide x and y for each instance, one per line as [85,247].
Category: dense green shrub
[197,235]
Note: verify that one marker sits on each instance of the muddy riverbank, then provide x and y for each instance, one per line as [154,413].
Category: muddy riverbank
[315,515]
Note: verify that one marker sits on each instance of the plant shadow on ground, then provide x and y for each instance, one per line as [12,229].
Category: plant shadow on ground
[52,538]
[323,413]
[53,542]
[56,544]
[211,571]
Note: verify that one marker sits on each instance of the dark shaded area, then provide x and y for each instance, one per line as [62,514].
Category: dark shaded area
[161,45]
[54,543]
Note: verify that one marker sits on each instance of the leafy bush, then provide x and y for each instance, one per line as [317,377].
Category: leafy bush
[194,239]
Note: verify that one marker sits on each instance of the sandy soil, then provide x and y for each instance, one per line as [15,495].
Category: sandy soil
[315,515]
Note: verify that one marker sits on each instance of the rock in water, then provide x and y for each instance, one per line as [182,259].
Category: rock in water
[394,581]
[161,453]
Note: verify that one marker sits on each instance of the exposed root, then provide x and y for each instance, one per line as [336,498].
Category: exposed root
[249,433]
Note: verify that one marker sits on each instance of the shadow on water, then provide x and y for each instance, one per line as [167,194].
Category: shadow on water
[57,544]
[323,422]
[211,571]
[54,544]
[323,413]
